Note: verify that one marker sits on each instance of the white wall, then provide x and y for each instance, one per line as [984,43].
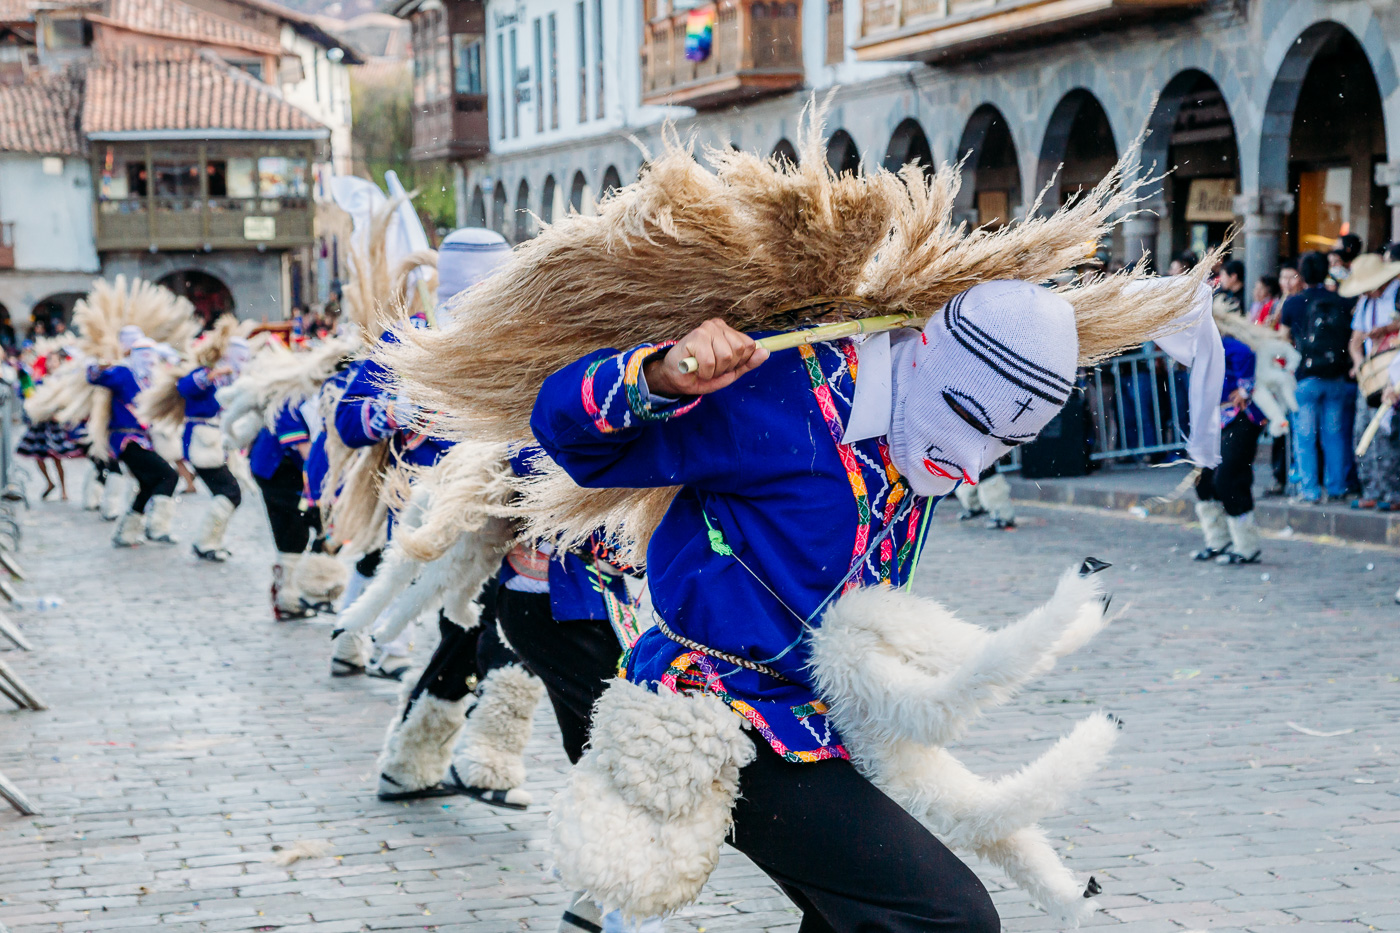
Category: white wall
[622,41]
[52,214]
[323,92]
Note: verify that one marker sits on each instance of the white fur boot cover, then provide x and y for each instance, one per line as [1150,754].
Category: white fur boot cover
[418,750]
[498,728]
[320,577]
[1211,515]
[904,677]
[92,492]
[640,823]
[995,494]
[114,496]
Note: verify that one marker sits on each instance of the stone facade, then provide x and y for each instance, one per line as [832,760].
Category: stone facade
[255,279]
[1257,54]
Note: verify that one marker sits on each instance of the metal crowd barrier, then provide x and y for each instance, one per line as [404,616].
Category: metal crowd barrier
[12,497]
[1136,405]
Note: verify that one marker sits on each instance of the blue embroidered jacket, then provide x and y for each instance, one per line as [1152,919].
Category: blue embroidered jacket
[317,463]
[1239,374]
[270,447]
[124,427]
[200,405]
[773,515]
[365,416]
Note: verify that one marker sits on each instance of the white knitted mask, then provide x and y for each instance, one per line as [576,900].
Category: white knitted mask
[988,373]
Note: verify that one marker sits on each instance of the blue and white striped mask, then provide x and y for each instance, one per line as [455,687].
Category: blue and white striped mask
[987,374]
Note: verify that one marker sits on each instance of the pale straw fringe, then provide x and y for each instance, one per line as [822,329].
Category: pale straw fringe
[683,244]
[470,485]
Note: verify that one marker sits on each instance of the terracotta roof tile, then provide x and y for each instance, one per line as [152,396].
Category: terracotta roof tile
[176,20]
[41,116]
[182,92]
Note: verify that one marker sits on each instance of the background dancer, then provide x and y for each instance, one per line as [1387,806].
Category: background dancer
[276,459]
[130,440]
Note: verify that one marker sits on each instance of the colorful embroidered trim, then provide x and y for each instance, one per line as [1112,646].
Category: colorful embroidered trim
[694,670]
[827,405]
[629,369]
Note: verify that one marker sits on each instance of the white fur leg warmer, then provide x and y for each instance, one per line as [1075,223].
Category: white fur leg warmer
[320,577]
[498,728]
[903,677]
[640,823]
[418,749]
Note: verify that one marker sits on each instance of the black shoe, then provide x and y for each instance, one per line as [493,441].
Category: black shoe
[1232,557]
[1209,553]
[967,515]
[1001,524]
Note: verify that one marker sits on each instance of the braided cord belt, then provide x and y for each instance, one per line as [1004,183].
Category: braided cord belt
[722,655]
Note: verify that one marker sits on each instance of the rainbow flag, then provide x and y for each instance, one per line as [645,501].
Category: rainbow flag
[699,33]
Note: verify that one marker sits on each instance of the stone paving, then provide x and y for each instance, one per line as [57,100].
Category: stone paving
[190,737]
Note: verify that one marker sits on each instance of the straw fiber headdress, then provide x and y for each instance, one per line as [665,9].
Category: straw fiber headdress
[98,318]
[763,244]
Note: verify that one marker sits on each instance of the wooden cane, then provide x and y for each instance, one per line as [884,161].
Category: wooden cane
[1370,433]
[821,333]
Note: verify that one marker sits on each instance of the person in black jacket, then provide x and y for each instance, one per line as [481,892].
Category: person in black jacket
[1319,321]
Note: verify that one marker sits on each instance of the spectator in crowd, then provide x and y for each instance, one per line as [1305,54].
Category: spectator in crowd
[1319,322]
[1266,301]
[1290,282]
[1375,283]
[1182,263]
[1340,258]
[1229,288]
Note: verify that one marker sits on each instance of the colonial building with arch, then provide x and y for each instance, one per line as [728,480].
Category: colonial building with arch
[1277,118]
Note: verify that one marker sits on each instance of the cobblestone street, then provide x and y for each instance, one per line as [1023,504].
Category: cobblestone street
[1256,782]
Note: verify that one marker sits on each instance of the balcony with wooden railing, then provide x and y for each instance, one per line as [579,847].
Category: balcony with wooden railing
[194,223]
[756,50]
[452,127]
[943,30]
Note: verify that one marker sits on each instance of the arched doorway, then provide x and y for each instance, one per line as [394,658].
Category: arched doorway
[1076,154]
[909,144]
[842,153]
[498,209]
[785,152]
[991,178]
[1324,133]
[524,222]
[612,181]
[51,311]
[578,192]
[476,213]
[210,296]
[1191,136]
[547,195]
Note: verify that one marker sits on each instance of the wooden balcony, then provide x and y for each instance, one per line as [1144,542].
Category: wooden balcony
[944,30]
[193,223]
[757,49]
[451,128]
[7,245]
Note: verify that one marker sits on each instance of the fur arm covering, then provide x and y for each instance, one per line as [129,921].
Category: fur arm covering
[450,539]
[276,377]
[640,822]
[903,676]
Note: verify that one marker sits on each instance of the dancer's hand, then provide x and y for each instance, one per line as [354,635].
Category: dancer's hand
[723,354]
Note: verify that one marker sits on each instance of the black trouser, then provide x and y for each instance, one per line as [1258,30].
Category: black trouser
[459,655]
[1231,484]
[281,494]
[1278,457]
[368,564]
[574,658]
[220,482]
[154,477]
[851,859]
[104,468]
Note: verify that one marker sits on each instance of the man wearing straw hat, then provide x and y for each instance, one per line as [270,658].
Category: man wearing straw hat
[1374,282]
